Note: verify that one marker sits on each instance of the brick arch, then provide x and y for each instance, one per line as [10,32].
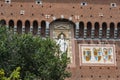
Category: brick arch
[89,28]
[35,27]
[104,30]
[112,28]
[2,22]
[19,26]
[11,24]
[118,30]
[65,20]
[27,26]
[96,27]
[43,28]
[81,29]
[14,20]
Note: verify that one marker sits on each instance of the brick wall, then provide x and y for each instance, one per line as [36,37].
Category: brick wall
[95,11]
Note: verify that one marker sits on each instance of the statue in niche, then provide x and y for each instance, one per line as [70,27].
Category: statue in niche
[62,43]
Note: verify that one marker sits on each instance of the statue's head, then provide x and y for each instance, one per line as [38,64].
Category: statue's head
[62,36]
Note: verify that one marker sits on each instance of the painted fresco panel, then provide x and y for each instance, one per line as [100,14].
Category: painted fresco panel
[97,54]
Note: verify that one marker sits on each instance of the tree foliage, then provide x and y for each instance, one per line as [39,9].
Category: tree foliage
[37,57]
[15,75]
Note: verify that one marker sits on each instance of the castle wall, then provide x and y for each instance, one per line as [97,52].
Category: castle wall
[26,16]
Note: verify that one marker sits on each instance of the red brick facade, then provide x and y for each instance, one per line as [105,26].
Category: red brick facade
[93,22]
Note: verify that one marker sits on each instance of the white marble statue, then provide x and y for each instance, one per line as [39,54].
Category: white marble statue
[62,43]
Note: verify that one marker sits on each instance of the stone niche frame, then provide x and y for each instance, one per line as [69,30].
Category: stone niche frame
[67,28]
[82,46]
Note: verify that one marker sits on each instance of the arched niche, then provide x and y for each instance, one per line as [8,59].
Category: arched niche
[104,30]
[35,27]
[81,29]
[27,26]
[89,28]
[11,24]
[96,32]
[19,27]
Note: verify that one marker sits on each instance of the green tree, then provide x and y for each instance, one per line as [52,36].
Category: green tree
[37,57]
